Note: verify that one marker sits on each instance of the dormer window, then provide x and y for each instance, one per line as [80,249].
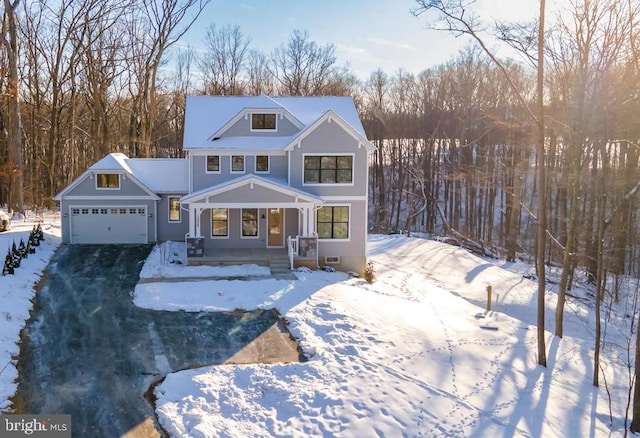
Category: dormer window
[263,122]
[108,181]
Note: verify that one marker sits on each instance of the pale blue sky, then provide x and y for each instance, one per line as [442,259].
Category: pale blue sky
[367,33]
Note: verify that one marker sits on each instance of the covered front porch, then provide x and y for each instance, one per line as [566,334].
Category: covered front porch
[249,220]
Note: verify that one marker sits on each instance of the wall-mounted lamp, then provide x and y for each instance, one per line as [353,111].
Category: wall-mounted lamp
[263,216]
[66,214]
[150,214]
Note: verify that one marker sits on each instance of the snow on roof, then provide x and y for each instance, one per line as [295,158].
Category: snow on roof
[161,175]
[250,143]
[112,162]
[206,115]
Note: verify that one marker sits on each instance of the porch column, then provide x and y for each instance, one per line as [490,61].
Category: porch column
[198,213]
[312,220]
[192,221]
[305,223]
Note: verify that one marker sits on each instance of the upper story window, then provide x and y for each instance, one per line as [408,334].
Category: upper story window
[108,181]
[213,163]
[237,163]
[262,163]
[174,209]
[328,169]
[263,122]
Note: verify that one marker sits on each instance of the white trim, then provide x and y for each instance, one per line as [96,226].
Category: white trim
[250,117]
[244,164]
[110,198]
[206,165]
[330,154]
[97,174]
[255,164]
[345,198]
[348,239]
[329,116]
[211,224]
[257,236]
[227,152]
[179,221]
[108,207]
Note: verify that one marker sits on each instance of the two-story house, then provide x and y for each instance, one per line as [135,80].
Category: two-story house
[260,173]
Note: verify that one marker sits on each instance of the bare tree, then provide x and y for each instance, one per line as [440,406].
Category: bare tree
[9,43]
[301,66]
[457,17]
[158,26]
[224,60]
[259,80]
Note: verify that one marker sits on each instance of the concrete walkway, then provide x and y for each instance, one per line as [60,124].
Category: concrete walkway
[89,352]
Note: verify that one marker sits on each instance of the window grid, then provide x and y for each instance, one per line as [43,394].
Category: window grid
[333,223]
[328,169]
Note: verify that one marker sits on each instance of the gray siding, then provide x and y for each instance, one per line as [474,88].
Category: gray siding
[328,139]
[171,230]
[87,187]
[252,195]
[353,252]
[202,180]
[242,128]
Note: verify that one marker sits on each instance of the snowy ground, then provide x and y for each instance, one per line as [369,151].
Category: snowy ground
[16,292]
[410,354]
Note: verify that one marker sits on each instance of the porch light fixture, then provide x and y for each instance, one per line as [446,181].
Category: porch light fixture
[150,214]
[263,216]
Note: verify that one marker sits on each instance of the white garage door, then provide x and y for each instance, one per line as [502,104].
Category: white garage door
[108,225]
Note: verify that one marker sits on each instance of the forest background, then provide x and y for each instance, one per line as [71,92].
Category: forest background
[456,144]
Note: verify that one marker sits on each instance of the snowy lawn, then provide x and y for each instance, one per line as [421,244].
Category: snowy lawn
[409,355]
[16,292]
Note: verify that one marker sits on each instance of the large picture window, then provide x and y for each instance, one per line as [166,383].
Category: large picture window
[328,169]
[213,163]
[174,209]
[249,222]
[263,122]
[108,181]
[333,223]
[219,222]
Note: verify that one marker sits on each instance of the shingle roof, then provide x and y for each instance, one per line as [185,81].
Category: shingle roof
[206,115]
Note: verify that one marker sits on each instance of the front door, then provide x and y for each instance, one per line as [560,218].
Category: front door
[275,228]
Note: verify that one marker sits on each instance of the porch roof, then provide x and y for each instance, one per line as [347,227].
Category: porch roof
[250,189]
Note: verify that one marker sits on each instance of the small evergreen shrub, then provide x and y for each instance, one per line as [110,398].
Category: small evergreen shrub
[368,273]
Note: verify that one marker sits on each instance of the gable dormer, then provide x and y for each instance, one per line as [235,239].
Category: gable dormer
[258,121]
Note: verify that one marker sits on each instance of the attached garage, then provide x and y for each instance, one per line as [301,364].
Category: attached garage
[108,224]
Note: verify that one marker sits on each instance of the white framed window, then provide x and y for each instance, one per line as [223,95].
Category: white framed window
[332,222]
[328,169]
[250,222]
[262,163]
[213,164]
[107,181]
[219,222]
[174,209]
[264,122]
[237,163]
